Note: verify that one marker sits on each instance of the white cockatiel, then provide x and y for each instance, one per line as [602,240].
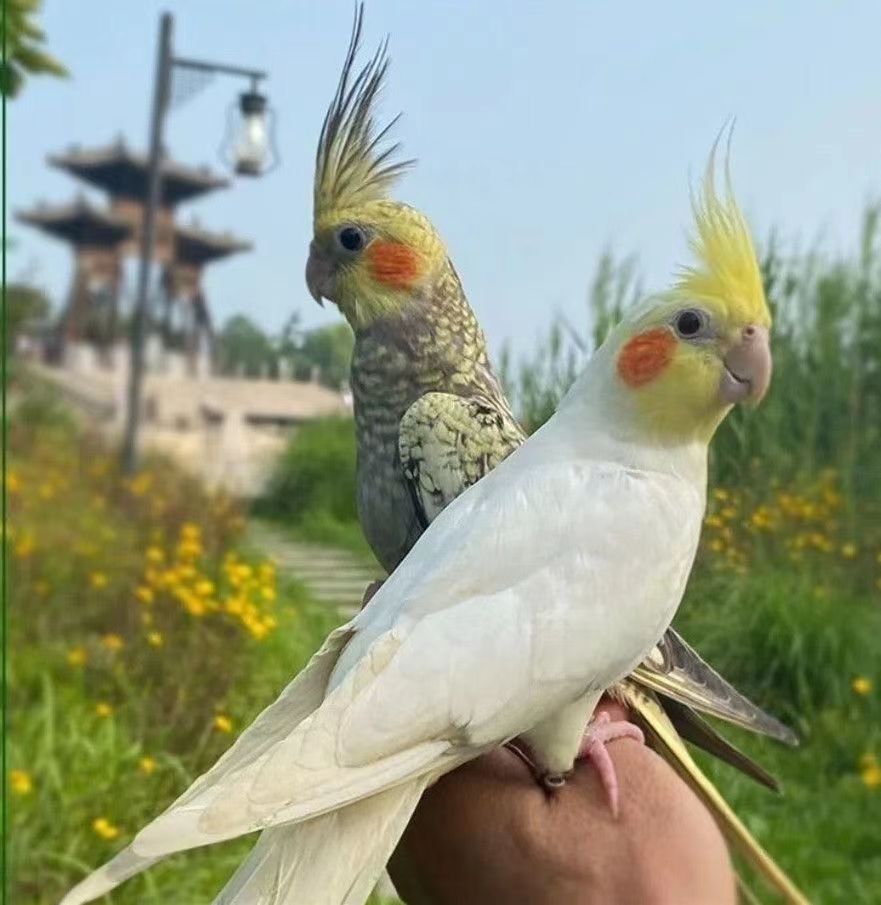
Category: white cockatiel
[534,591]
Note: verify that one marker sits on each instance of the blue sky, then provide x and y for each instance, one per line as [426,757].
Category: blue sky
[545,131]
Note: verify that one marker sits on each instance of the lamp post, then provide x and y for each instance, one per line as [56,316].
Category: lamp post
[250,151]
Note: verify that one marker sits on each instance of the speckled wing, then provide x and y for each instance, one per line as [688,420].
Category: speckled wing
[448,442]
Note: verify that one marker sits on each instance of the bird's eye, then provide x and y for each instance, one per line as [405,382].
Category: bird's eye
[351,238]
[689,323]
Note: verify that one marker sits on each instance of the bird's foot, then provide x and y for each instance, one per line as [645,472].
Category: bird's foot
[371,589]
[550,782]
[554,781]
[600,732]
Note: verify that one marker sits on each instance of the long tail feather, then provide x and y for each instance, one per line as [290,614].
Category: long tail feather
[664,737]
[302,696]
[695,729]
[331,860]
[675,670]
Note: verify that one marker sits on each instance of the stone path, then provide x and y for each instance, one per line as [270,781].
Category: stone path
[331,575]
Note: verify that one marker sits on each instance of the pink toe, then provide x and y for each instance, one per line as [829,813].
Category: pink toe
[593,748]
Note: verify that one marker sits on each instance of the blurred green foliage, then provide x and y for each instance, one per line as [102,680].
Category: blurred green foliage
[321,354]
[315,475]
[25,53]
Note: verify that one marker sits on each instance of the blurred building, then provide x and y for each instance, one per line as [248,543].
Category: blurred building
[226,430]
[91,329]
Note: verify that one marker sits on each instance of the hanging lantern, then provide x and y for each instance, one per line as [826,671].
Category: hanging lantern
[250,147]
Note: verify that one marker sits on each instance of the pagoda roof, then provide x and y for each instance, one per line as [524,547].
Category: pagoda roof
[117,169]
[79,222]
[195,245]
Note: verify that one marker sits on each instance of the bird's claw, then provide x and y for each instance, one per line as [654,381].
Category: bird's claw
[554,781]
[600,732]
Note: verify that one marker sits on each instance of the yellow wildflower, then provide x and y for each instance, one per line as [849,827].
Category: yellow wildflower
[720,494]
[144,594]
[13,483]
[235,605]
[102,708]
[861,684]
[222,723]
[257,629]
[112,641]
[155,554]
[154,639]
[23,548]
[147,764]
[190,531]
[205,588]
[104,828]
[20,782]
[871,776]
[194,606]
[189,549]
[76,656]
[848,550]
[98,580]
[268,593]
[141,484]
[239,574]
[760,518]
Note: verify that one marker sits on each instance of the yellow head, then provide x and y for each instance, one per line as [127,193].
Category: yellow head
[688,355]
[369,255]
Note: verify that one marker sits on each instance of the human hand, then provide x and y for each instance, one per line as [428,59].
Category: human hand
[487,833]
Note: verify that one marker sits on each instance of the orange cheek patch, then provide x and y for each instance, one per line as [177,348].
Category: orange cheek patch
[644,356]
[393,264]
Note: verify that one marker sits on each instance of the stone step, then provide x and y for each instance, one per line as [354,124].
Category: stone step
[333,576]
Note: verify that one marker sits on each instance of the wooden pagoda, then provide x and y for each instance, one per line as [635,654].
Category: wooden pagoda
[101,238]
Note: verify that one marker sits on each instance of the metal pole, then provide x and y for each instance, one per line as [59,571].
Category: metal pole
[139,317]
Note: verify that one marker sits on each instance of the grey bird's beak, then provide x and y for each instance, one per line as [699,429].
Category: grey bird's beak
[318,275]
[748,367]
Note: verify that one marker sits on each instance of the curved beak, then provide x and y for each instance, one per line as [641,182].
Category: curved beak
[748,367]
[319,275]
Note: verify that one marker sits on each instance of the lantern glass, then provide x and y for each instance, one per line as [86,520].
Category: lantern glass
[251,145]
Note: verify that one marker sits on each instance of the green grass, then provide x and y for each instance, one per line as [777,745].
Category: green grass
[141,641]
[796,652]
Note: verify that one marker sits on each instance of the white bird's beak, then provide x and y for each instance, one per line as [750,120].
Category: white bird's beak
[748,367]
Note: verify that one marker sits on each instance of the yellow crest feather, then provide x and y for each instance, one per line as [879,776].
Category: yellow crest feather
[727,268]
[353,164]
